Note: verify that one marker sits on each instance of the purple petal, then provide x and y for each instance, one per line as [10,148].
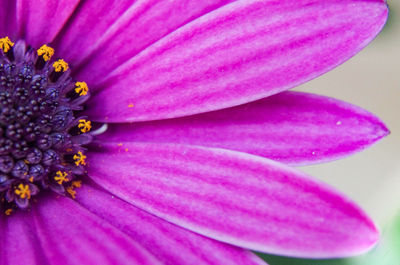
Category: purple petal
[7,19]
[244,200]
[20,241]
[70,234]
[291,127]
[169,243]
[39,21]
[238,53]
[123,30]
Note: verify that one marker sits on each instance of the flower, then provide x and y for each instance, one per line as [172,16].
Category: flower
[183,175]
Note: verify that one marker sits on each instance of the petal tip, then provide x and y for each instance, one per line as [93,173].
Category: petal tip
[370,239]
[380,130]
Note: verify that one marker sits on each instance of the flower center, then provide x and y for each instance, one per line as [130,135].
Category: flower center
[42,132]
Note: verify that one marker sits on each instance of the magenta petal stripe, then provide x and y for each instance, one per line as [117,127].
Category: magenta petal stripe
[291,127]
[39,21]
[238,53]
[169,243]
[78,39]
[122,29]
[244,200]
[21,244]
[72,235]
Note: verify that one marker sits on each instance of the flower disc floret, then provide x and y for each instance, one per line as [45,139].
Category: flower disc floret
[41,131]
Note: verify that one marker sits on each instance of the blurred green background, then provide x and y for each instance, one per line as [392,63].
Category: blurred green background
[371,178]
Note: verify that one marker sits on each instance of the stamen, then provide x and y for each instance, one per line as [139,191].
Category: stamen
[6,44]
[23,191]
[46,52]
[77,183]
[84,125]
[61,177]
[8,211]
[79,159]
[74,184]
[71,191]
[60,66]
[81,88]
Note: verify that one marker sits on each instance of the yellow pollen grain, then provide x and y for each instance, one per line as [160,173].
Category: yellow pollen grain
[60,65]
[120,144]
[6,44]
[46,52]
[130,106]
[23,191]
[8,211]
[81,88]
[84,125]
[61,177]
[31,179]
[79,159]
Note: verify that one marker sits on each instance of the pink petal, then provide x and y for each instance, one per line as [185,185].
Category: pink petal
[39,21]
[291,127]
[120,29]
[69,234]
[238,53]
[20,241]
[244,200]
[169,243]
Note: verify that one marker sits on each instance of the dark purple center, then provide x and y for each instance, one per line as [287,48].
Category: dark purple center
[41,129]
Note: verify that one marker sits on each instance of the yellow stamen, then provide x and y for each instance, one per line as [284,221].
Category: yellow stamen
[60,65]
[8,211]
[77,183]
[31,179]
[6,44]
[79,159]
[84,125]
[71,192]
[61,177]
[74,184]
[46,52]
[23,191]
[81,88]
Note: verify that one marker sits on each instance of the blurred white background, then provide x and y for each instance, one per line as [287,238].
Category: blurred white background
[370,80]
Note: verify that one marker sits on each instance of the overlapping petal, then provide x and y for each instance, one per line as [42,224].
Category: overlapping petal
[292,127]
[39,21]
[7,20]
[70,234]
[233,197]
[241,52]
[169,243]
[20,244]
[123,29]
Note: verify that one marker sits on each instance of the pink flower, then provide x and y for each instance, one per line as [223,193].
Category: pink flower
[194,166]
